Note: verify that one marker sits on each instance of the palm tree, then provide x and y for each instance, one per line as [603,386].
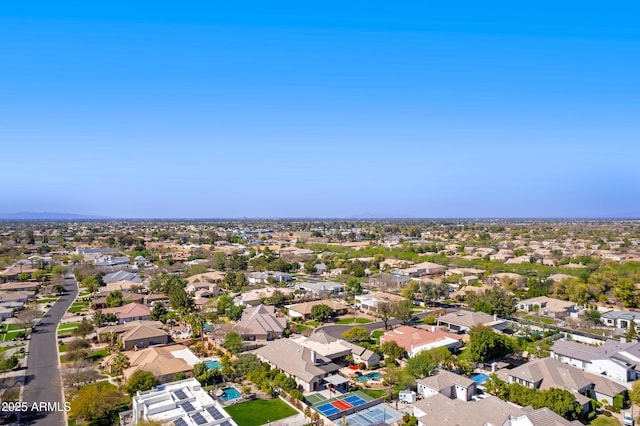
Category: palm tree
[196,323]
[120,363]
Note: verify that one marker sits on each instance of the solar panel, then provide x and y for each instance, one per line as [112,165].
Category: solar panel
[180,422]
[214,413]
[180,394]
[226,423]
[199,419]
[188,407]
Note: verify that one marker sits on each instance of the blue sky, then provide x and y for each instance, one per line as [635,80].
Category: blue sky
[253,109]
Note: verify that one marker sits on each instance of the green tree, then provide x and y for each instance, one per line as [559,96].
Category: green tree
[120,363]
[196,323]
[592,315]
[353,286]
[180,300]
[403,310]
[159,312]
[631,332]
[385,310]
[39,275]
[321,312]
[393,350]
[84,328]
[233,343]
[235,312]
[634,392]
[356,334]
[95,401]
[58,271]
[58,288]
[140,381]
[90,283]
[486,345]
[224,302]
[115,299]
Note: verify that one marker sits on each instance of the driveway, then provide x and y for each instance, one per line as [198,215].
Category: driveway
[42,382]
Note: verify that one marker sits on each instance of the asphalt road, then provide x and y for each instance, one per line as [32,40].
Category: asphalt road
[336,330]
[42,382]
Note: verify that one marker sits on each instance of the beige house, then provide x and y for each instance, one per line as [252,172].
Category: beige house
[136,334]
[303,310]
[260,323]
[163,361]
[547,306]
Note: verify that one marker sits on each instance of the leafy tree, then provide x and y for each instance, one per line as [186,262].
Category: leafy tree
[115,299]
[356,334]
[321,312]
[393,350]
[140,381]
[631,332]
[196,323]
[39,275]
[592,315]
[178,376]
[224,302]
[235,312]
[353,286]
[81,374]
[120,363]
[403,310]
[84,328]
[58,288]
[634,392]
[58,271]
[246,363]
[95,401]
[493,301]
[423,363]
[100,319]
[385,310]
[411,290]
[199,369]
[233,343]
[90,283]
[77,349]
[180,300]
[485,345]
[159,312]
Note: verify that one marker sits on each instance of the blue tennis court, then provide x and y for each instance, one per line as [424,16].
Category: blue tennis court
[355,400]
[328,409]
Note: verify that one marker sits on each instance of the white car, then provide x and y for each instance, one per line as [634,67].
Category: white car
[627,419]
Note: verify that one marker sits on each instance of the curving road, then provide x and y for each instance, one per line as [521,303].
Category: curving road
[336,330]
[42,381]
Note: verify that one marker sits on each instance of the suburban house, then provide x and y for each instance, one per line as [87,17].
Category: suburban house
[414,340]
[269,276]
[370,302]
[197,286]
[183,403]
[439,410]
[420,269]
[386,279]
[620,319]
[210,277]
[136,334]
[121,276]
[321,288]
[260,323]
[91,253]
[307,367]
[303,310]
[547,306]
[130,312]
[462,321]
[163,361]
[258,296]
[21,286]
[110,260]
[337,350]
[448,384]
[615,359]
[547,373]
[14,299]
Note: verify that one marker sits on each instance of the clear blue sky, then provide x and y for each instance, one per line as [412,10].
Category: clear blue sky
[320,109]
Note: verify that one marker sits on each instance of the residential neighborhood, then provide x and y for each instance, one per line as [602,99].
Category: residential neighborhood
[324,323]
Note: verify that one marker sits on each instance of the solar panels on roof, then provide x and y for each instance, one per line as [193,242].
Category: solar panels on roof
[187,407]
[180,422]
[199,419]
[214,413]
[180,394]
[226,423]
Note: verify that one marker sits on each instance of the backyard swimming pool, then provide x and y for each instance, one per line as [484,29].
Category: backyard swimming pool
[479,378]
[213,364]
[229,394]
[370,376]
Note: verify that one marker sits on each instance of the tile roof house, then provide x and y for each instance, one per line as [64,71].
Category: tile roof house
[163,361]
[547,373]
[615,359]
[303,310]
[448,384]
[121,276]
[260,323]
[136,334]
[337,349]
[306,366]
[547,306]
[257,296]
[370,302]
[414,340]
[130,312]
[462,321]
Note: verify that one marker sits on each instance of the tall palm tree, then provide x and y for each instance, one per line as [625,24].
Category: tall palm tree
[196,323]
[120,363]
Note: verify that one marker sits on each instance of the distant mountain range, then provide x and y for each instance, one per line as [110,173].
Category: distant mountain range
[46,216]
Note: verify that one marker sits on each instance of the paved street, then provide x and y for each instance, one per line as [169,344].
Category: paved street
[43,376]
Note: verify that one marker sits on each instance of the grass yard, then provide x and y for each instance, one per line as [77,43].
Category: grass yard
[376,393]
[548,321]
[259,411]
[313,323]
[6,348]
[605,421]
[95,356]
[376,334]
[300,328]
[11,335]
[68,326]
[353,321]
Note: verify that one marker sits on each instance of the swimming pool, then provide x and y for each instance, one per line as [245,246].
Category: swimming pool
[230,394]
[479,378]
[213,364]
[370,376]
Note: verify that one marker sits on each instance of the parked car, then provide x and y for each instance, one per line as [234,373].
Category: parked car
[627,419]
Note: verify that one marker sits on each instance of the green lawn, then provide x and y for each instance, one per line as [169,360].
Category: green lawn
[376,334]
[604,421]
[259,412]
[62,348]
[11,335]
[68,326]
[375,393]
[313,323]
[6,348]
[300,328]
[353,321]
[98,354]
[539,319]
